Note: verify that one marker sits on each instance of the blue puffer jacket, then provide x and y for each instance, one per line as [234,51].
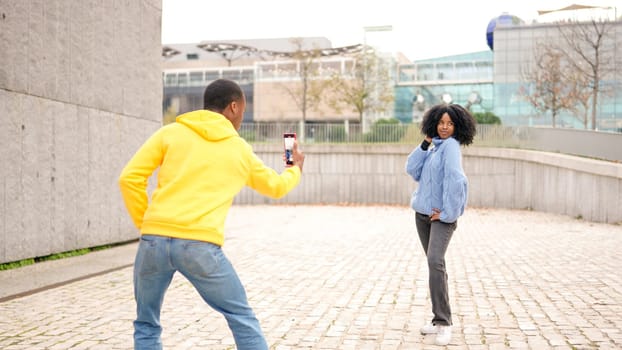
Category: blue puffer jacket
[442,182]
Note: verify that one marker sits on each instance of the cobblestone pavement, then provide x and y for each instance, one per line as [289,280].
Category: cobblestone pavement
[351,277]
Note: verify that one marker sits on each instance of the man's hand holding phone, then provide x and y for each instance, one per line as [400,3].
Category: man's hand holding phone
[292,155]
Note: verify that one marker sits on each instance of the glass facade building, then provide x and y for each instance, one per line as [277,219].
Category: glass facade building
[515,54]
[498,81]
[485,81]
[466,79]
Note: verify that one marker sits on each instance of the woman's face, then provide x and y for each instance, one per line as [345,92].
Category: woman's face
[445,127]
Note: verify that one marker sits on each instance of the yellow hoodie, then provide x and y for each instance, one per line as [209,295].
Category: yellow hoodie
[204,164]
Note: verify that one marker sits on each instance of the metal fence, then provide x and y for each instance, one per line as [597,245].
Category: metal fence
[601,145]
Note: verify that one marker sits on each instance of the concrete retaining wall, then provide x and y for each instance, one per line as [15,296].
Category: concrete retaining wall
[80,90]
[498,177]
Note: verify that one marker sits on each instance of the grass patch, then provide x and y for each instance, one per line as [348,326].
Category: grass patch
[56,256]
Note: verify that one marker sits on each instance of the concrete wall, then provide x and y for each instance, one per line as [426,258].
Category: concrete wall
[549,182]
[80,90]
[498,177]
[588,143]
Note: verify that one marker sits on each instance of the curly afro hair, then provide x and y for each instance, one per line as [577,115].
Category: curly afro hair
[464,123]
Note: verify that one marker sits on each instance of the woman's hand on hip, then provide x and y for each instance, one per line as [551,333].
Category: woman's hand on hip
[436,214]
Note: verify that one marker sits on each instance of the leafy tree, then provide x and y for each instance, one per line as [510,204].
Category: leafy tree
[170,115]
[366,87]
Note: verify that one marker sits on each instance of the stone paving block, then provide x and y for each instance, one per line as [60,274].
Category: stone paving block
[358,284]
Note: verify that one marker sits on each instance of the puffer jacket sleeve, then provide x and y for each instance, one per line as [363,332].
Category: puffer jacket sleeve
[415,161]
[455,184]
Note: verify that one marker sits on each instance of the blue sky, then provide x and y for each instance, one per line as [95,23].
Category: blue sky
[420,29]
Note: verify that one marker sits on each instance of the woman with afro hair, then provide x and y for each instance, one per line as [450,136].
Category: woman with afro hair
[440,199]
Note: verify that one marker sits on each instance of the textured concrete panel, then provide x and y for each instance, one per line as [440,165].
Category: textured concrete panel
[14,45]
[71,150]
[99,178]
[98,54]
[40,55]
[81,171]
[79,86]
[12,154]
[3,173]
[502,178]
[61,45]
[51,111]
[37,165]
[133,133]
[82,42]
[151,73]
[9,129]
[98,60]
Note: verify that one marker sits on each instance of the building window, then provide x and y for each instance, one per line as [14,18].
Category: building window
[192,56]
[247,75]
[231,74]
[424,71]
[286,70]
[445,71]
[182,78]
[196,77]
[212,75]
[171,79]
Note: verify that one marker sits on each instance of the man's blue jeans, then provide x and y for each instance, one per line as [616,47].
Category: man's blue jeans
[210,272]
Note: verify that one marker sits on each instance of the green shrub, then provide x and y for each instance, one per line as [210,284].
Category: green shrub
[248,135]
[486,118]
[386,130]
[336,133]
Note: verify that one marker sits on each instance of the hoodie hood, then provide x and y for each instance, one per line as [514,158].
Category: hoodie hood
[209,125]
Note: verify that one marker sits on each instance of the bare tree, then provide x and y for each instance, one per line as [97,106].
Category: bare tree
[581,94]
[589,48]
[546,88]
[307,92]
[365,88]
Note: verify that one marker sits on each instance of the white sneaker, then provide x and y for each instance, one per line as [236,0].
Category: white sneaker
[429,329]
[443,335]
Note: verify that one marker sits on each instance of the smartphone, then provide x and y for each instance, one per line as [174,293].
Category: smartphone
[288,144]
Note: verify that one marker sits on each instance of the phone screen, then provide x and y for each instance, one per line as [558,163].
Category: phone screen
[288,144]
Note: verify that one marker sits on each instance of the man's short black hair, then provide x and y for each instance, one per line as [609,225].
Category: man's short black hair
[220,93]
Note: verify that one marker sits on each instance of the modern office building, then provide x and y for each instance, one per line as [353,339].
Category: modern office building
[484,81]
[266,70]
[496,80]
[516,53]
[465,79]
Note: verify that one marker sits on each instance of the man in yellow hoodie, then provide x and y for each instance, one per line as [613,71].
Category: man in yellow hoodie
[203,164]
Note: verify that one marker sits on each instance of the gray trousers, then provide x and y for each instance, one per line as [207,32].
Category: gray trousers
[435,237]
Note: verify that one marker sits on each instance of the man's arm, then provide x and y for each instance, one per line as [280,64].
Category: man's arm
[134,177]
[268,182]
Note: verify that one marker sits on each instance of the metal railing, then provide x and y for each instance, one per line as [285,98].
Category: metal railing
[594,144]
[326,133]
[487,135]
